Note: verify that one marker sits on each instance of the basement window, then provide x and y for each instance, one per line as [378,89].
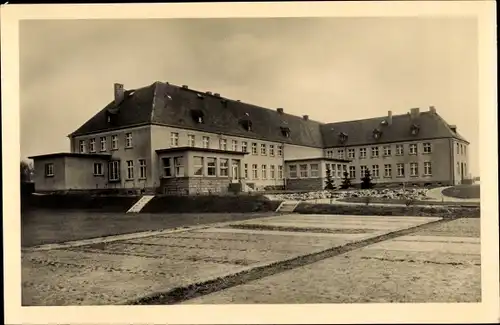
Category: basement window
[285,131]
[197,116]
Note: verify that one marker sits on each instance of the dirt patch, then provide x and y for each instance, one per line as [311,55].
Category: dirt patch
[373,210]
[300,229]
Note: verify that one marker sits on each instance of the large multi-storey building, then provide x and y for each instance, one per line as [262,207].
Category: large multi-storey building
[171,139]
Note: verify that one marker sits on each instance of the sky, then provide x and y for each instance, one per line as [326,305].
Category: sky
[333,69]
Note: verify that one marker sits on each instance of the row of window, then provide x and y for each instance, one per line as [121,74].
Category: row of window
[375,151]
[461,149]
[92,146]
[387,170]
[113,170]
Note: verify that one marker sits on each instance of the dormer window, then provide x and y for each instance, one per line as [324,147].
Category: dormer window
[200,96]
[414,129]
[197,116]
[384,122]
[377,133]
[285,131]
[246,124]
[343,137]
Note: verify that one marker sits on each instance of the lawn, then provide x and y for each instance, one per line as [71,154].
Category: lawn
[56,226]
[463,191]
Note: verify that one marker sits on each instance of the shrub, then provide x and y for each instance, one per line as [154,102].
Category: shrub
[366,181]
[330,183]
[346,181]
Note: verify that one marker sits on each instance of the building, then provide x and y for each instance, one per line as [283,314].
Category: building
[168,139]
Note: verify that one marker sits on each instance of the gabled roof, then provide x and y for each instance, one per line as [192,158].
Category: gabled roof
[170,105]
[362,132]
[199,149]
[165,104]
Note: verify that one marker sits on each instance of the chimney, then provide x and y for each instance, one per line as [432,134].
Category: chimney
[217,95]
[305,117]
[432,109]
[185,86]
[414,112]
[389,117]
[209,93]
[119,93]
[280,110]
[453,128]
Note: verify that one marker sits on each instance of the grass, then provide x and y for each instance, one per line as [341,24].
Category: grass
[56,226]
[302,229]
[463,191]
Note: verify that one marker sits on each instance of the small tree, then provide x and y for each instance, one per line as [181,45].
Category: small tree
[346,181]
[330,183]
[26,172]
[366,181]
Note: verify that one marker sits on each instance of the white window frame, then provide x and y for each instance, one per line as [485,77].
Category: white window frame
[254,149]
[362,170]
[255,171]
[179,166]
[103,143]
[128,140]
[130,169]
[191,140]
[362,153]
[339,171]
[223,167]
[428,168]
[49,170]
[292,171]
[271,150]
[413,149]
[114,142]
[280,150]
[352,172]
[314,172]
[400,170]
[341,153]
[114,170]
[82,146]
[222,144]
[399,150]
[198,168]
[206,142]
[142,169]
[387,151]
[427,147]
[303,172]
[280,172]
[168,167]
[244,146]
[263,171]
[375,171]
[263,149]
[272,171]
[245,171]
[414,171]
[375,152]
[351,153]
[387,170]
[92,145]
[211,165]
[235,145]
[98,171]
[174,139]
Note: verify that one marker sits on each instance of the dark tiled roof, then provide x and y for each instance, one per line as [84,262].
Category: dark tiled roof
[198,149]
[73,154]
[166,104]
[361,132]
[319,158]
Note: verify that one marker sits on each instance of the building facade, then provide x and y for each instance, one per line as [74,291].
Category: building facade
[168,139]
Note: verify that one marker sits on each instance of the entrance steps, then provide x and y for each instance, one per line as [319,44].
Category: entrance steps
[287,206]
[140,204]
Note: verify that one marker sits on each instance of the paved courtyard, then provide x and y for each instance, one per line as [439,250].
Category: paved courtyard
[117,270]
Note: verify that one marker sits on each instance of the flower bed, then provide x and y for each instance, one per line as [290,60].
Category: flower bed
[410,193]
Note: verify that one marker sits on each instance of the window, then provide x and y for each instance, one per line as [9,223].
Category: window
[114,142]
[303,171]
[280,151]
[206,142]
[191,140]
[341,153]
[98,169]
[244,146]
[167,167]
[246,170]
[114,170]
[339,170]
[130,169]
[413,169]
[458,168]
[292,171]
[49,170]
[427,148]
[179,166]
[142,168]
[362,153]
[103,144]
[329,153]
[271,150]
[255,174]
[387,170]
[264,171]
[350,153]
[399,150]
[224,167]
[461,149]
[374,152]
[222,144]
[82,146]
[413,149]
[254,148]
[280,172]
[128,140]
[427,168]
[458,147]
[400,170]
[272,172]
[211,167]
[263,149]
[198,166]
[363,170]
[92,145]
[314,170]
[375,171]
[235,145]
[387,151]
[352,171]
[332,168]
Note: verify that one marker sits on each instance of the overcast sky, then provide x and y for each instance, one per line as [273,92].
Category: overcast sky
[333,69]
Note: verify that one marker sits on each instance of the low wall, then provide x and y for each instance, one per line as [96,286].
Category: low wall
[373,210]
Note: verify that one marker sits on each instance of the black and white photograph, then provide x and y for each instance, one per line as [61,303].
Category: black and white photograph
[244,160]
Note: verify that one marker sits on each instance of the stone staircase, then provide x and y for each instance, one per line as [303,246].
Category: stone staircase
[141,203]
[287,206]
